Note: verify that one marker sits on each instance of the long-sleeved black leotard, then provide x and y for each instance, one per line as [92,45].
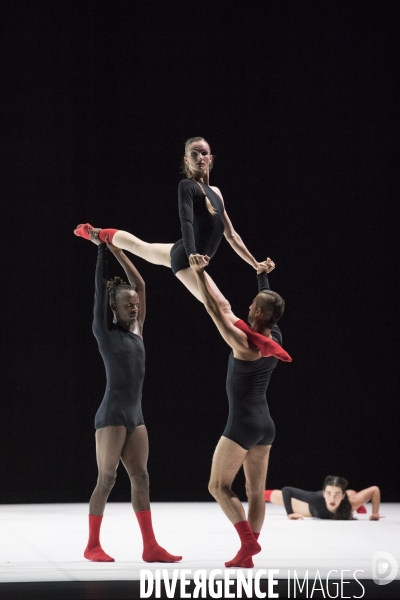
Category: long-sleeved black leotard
[315,500]
[124,359]
[201,231]
[249,421]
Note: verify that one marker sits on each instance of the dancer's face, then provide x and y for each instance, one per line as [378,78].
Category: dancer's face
[253,312]
[199,159]
[126,306]
[333,496]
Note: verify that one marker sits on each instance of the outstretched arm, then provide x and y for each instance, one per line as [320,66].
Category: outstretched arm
[101,316]
[237,243]
[219,311]
[135,279]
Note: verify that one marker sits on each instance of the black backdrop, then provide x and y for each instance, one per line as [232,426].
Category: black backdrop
[297,100]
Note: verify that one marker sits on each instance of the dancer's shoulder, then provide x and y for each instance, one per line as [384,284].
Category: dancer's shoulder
[186,184]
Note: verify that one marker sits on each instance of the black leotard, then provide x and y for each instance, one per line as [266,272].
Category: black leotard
[124,359]
[249,422]
[315,500]
[201,231]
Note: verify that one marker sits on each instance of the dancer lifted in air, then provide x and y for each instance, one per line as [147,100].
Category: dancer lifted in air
[203,217]
[120,430]
[250,431]
[204,221]
[335,501]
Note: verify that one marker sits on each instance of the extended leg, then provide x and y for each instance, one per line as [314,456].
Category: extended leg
[255,469]
[109,443]
[227,460]
[158,254]
[134,458]
[188,278]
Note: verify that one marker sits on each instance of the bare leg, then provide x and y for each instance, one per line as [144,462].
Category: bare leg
[255,469]
[158,254]
[227,460]
[188,278]
[134,457]
[109,443]
[277,497]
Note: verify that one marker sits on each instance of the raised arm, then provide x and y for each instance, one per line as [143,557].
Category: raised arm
[101,316]
[220,311]
[135,279]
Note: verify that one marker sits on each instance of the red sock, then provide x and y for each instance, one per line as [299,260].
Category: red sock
[83,231]
[361,510]
[266,346]
[94,551]
[249,547]
[103,233]
[247,563]
[267,495]
[152,552]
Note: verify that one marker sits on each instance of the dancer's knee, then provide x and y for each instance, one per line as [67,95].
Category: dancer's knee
[255,489]
[218,488]
[140,481]
[106,481]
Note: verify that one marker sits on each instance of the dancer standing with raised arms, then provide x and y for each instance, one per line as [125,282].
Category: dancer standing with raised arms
[250,431]
[120,430]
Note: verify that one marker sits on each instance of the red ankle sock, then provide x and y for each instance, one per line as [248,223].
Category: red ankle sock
[83,231]
[103,233]
[266,346]
[361,510]
[248,549]
[152,552]
[94,551]
[267,495]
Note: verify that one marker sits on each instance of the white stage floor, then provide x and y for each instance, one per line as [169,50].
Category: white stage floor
[45,542]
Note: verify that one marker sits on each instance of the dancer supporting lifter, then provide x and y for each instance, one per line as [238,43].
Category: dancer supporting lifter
[120,430]
[250,430]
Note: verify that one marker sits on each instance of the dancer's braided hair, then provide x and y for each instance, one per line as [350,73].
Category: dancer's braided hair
[116,285]
[188,174]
